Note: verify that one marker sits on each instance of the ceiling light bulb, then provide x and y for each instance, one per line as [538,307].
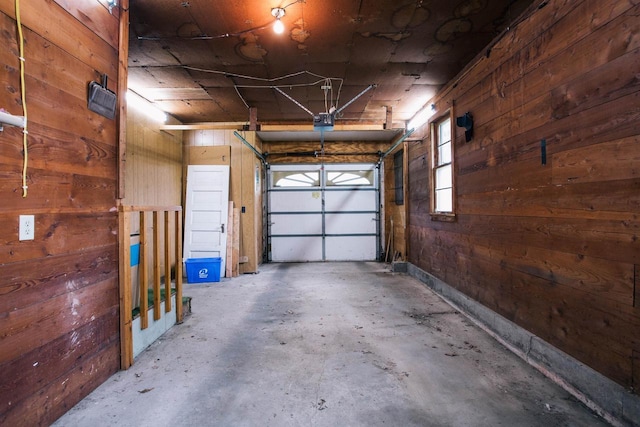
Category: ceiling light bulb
[278,26]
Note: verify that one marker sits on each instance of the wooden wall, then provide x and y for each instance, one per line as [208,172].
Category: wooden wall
[395,215]
[153,172]
[59,327]
[246,183]
[153,162]
[553,247]
[334,152]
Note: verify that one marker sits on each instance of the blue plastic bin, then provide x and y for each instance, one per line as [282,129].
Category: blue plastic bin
[200,270]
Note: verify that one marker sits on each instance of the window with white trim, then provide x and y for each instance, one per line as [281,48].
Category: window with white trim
[442,167]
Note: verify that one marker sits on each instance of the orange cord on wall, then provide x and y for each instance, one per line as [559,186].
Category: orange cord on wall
[24,101]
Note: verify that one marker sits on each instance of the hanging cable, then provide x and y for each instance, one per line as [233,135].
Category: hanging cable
[24,101]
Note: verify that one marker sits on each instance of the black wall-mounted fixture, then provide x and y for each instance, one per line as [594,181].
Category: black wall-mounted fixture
[101,100]
[466,122]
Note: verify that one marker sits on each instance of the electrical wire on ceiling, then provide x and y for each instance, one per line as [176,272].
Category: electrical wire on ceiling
[218,36]
[24,100]
[326,82]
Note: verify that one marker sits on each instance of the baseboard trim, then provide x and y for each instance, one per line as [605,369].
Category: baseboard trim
[608,399]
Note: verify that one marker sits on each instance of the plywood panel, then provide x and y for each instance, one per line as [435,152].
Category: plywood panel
[210,155]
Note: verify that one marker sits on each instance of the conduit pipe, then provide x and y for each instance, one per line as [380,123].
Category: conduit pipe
[11,120]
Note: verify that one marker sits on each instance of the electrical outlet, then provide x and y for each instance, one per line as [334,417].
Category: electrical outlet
[27,227]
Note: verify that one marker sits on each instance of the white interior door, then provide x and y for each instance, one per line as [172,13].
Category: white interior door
[206,213]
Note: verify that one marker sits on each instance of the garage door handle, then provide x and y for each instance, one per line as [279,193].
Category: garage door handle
[222,226]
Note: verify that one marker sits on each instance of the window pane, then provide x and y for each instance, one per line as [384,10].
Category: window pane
[296,179]
[442,168]
[348,178]
[444,154]
[444,131]
[444,200]
[443,177]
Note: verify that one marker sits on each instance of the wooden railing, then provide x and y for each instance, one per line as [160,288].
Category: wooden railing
[171,245]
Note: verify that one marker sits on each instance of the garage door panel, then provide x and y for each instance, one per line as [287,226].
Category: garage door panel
[350,223]
[350,248]
[354,200]
[323,213]
[296,224]
[291,249]
[295,201]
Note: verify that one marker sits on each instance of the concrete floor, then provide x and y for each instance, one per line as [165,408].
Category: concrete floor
[326,344]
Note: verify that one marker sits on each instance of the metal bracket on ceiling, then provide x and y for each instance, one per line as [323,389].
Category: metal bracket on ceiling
[368,88]
[293,100]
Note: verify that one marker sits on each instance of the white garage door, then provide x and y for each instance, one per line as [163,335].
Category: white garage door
[323,214]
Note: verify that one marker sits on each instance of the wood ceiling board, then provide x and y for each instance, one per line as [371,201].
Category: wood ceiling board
[335,70]
[408,49]
[211,80]
[139,77]
[370,51]
[166,94]
[171,77]
[197,111]
[153,18]
[149,53]
[195,53]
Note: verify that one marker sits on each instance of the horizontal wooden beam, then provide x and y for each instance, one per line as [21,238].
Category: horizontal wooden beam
[149,208]
[204,126]
[307,128]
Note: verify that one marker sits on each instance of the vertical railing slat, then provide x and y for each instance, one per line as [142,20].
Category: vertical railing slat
[157,312]
[167,263]
[126,332]
[178,248]
[144,276]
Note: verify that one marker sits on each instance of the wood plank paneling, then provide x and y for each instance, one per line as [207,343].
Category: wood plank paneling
[393,213]
[553,247]
[59,293]
[334,152]
[58,396]
[42,363]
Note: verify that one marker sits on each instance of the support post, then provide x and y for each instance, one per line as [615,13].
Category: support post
[388,123]
[126,332]
[253,119]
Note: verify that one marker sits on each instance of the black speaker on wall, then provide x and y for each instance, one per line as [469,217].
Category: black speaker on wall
[466,122]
